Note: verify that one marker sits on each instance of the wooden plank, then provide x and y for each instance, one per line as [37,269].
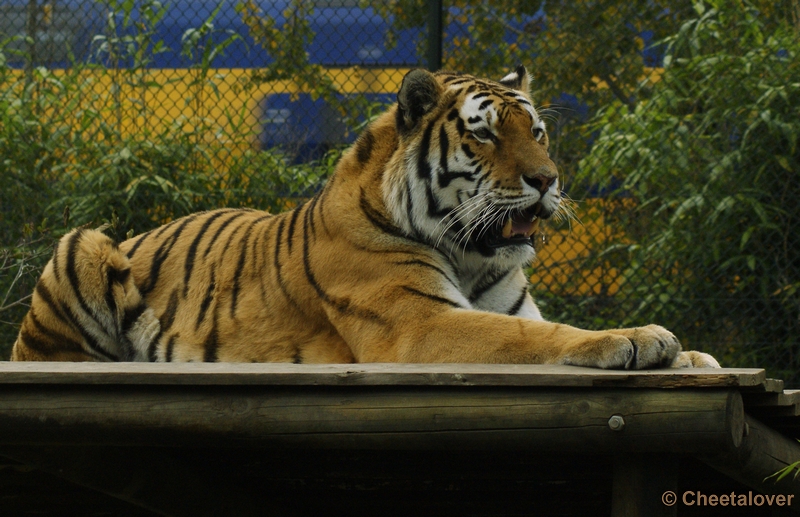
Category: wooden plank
[772,386]
[773,405]
[356,417]
[374,375]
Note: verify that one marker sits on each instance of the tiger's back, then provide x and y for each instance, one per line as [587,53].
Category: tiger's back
[218,280]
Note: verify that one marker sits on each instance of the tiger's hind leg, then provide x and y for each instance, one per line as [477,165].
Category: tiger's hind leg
[86,306]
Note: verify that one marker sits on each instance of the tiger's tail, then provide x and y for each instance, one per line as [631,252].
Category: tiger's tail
[86,306]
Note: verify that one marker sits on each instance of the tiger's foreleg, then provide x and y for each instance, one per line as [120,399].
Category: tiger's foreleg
[468,336]
[496,338]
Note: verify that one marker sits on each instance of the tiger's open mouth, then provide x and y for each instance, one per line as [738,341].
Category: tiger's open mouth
[517,228]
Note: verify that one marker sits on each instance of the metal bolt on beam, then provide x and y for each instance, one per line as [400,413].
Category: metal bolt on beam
[616,423]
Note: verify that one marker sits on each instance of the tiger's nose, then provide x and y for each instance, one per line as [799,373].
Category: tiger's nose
[541,180]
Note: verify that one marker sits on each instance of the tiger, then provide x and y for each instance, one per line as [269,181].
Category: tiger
[412,252]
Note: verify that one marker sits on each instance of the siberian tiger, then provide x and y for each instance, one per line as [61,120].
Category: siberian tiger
[412,252]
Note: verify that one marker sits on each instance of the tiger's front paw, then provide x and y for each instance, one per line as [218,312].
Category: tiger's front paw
[694,359]
[652,346]
[630,349]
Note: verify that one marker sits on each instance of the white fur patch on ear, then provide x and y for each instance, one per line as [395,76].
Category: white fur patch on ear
[510,78]
[519,79]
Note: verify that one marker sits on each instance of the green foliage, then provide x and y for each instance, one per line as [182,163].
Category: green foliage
[785,472]
[711,162]
[120,47]
[20,266]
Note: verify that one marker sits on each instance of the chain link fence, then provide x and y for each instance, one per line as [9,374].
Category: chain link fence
[675,125]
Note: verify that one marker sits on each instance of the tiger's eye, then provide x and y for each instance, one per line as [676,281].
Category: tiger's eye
[482,133]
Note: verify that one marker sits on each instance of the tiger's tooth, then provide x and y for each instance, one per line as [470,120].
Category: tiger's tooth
[507,229]
[534,227]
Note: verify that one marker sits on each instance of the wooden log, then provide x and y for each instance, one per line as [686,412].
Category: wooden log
[373,417]
[762,453]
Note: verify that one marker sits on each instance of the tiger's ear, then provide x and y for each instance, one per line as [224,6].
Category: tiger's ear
[518,79]
[418,94]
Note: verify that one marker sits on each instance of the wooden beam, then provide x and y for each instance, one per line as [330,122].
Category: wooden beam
[373,417]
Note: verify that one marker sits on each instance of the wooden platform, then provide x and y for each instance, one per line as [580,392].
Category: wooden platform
[276,439]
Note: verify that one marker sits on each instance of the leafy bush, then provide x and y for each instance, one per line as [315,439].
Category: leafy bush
[710,166]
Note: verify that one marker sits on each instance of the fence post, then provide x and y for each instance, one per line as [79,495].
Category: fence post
[30,31]
[434,56]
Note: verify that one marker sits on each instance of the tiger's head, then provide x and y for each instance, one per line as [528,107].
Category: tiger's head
[473,176]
